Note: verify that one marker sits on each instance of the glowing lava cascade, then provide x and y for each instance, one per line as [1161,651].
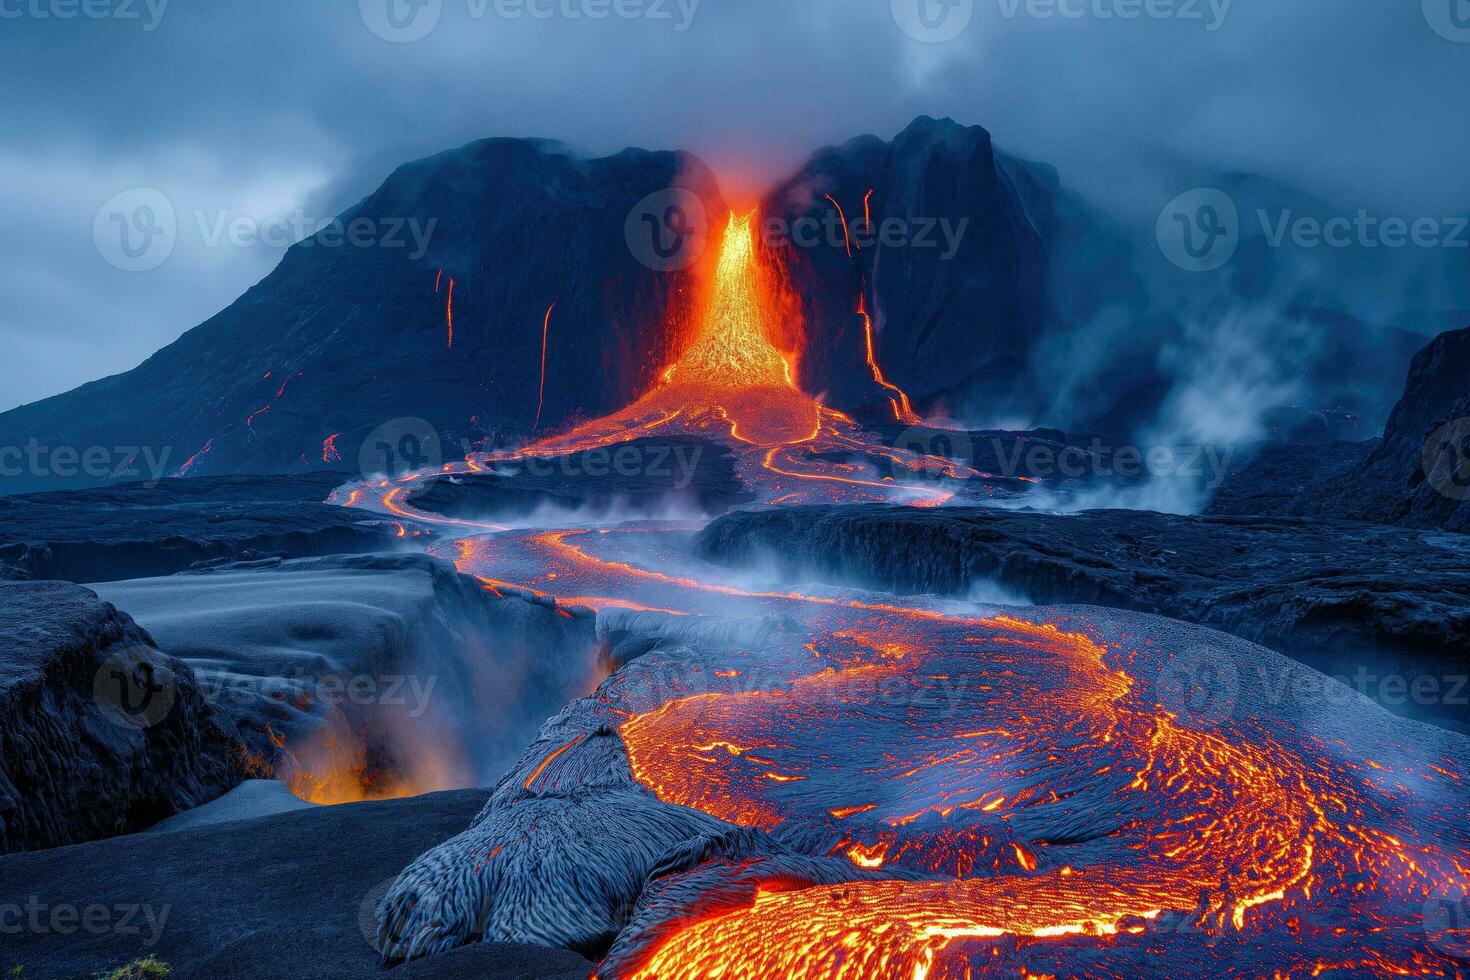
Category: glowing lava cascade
[838,784]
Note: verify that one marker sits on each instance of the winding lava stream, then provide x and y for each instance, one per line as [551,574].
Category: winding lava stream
[1029,767]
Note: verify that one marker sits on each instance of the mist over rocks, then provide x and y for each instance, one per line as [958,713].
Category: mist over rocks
[358,676]
[101,733]
[1416,475]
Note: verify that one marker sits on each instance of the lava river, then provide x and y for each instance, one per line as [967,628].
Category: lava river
[886,787]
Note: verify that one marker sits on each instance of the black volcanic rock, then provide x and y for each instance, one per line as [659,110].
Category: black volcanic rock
[642,477]
[955,311]
[100,732]
[138,531]
[339,340]
[1417,475]
[1338,596]
[290,895]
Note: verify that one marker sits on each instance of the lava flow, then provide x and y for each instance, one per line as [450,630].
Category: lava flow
[924,793]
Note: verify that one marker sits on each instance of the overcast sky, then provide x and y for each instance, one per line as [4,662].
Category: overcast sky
[263,108]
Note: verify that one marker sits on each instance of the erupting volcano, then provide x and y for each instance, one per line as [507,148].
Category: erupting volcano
[834,783]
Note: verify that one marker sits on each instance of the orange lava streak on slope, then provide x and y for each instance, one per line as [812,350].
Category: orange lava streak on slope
[541,397]
[846,238]
[902,410]
[449,313]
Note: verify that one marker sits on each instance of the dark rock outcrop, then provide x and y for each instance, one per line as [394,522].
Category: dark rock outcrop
[1417,475]
[642,477]
[339,340]
[1339,596]
[955,308]
[289,895]
[100,732]
[139,530]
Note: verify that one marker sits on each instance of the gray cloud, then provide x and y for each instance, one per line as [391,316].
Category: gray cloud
[266,107]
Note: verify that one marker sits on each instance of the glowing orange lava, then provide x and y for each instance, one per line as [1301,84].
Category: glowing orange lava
[902,410]
[541,397]
[449,313]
